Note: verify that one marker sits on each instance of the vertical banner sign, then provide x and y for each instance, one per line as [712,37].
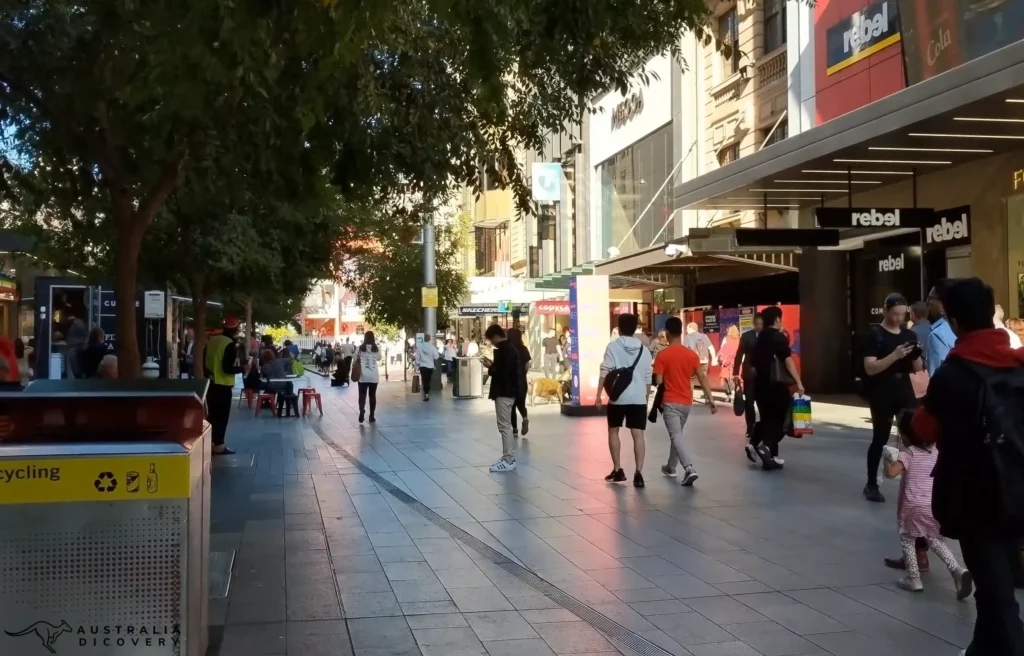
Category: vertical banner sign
[746,319]
[588,334]
[711,322]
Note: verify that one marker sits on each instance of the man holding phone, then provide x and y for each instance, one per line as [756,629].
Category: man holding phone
[892,354]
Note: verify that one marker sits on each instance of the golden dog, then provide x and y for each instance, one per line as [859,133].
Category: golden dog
[546,388]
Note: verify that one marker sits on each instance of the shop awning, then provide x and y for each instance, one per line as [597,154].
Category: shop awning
[973,111]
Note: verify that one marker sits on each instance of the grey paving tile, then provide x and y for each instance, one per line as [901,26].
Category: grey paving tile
[643,594]
[661,607]
[354,583]
[535,647]
[743,587]
[652,566]
[733,648]
[690,628]
[320,645]
[370,604]
[548,616]
[829,602]
[399,554]
[501,625]
[408,571]
[448,642]
[533,601]
[475,600]
[803,620]
[254,640]
[573,638]
[382,635]
[724,610]
[428,608]
[358,565]
[420,590]
[241,611]
[304,539]
[471,577]
[770,639]
[621,578]
[439,621]
[853,643]
[390,540]
[685,586]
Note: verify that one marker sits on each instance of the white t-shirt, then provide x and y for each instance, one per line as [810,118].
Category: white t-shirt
[449,352]
[426,355]
[369,361]
[621,353]
[1014,338]
[472,348]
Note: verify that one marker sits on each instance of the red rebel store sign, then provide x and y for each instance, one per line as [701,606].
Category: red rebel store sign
[551,307]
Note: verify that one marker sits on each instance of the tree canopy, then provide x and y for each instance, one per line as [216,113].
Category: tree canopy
[112,110]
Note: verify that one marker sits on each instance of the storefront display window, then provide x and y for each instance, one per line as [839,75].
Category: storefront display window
[629,181]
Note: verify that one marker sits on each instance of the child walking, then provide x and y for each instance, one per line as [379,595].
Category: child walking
[914,509]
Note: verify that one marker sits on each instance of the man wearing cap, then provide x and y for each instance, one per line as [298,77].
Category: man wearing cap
[222,364]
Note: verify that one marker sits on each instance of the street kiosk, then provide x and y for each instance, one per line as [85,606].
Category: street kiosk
[105,508]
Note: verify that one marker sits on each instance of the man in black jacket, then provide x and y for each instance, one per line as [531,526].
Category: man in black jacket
[743,354]
[504,371]
[978,391]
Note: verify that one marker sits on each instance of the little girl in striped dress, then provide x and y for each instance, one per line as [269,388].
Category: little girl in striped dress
[914,510]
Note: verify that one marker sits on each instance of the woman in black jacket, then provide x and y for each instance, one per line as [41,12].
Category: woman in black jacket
[515,338]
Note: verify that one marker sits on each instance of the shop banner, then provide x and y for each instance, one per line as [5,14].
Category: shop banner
[588,335]
[746,319]
[884,268]
[874,218]
[939,35]
[861,35]
[492,309]
[547,182]
[551,308]
[950,228]
[711,322]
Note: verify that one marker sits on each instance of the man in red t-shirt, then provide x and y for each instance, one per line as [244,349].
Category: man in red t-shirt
[674,367]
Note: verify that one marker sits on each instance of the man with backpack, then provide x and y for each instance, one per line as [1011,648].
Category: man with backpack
[974,412]
[626,372]
[700,344]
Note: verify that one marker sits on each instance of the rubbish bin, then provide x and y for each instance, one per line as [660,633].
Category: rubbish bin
[469,381]
[105,504]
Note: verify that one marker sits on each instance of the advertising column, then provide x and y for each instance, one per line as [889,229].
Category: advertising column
[588,336]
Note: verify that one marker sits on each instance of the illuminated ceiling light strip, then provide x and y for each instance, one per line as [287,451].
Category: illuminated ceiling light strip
[810,191]
[933,150]
[1015,100]
[858,172]
[827,181]
[941,135]
[753,207]
[982,119]
[890,161]
[758,198]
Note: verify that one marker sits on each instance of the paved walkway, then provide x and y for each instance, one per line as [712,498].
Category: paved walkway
[394,539]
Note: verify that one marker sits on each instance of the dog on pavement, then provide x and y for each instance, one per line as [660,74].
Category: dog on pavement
[546,388]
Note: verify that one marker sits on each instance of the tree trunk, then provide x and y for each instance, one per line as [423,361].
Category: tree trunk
[126,261]
[248,320]
[199,314]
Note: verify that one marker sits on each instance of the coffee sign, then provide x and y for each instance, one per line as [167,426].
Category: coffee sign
[884,218]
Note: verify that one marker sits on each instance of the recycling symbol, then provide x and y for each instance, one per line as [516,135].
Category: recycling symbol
[105,482]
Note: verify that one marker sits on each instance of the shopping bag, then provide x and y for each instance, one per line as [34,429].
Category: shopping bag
[802,415]
[738,405]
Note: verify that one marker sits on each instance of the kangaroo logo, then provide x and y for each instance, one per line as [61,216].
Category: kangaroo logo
[46,632]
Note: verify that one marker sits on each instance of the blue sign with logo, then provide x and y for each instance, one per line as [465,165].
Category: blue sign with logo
[547,182]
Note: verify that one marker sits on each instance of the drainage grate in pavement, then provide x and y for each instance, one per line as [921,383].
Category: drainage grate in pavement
[606,625]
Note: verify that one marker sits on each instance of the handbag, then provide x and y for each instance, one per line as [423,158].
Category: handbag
[739,406]
[357,370]
[778,374]
[618,380]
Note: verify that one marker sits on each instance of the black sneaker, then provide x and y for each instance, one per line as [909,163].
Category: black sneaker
[361,417]
[617,476]
[373,419]
[515,433]
[751,453]
[873,494]
[638,480]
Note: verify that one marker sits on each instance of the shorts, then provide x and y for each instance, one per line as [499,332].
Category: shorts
[633,415]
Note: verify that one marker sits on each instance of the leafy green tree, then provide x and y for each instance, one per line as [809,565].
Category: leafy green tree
[385,271]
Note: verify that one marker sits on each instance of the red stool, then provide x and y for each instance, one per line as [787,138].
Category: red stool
[305,390]
[269,396]
[307,402]
[248,395]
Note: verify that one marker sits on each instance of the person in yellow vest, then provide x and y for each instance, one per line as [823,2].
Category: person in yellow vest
[222,363]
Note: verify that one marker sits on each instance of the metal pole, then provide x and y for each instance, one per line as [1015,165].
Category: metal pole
[429,276]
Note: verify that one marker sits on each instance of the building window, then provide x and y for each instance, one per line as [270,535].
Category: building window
[729,35]
[774,25]
[780,133]
[486,250]
[729,154]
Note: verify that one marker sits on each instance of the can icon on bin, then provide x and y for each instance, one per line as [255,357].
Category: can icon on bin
[131,480]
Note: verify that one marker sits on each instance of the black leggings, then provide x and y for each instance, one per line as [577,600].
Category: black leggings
[521,407]
[372,389]
[885,405]
[426,375]
[773,402]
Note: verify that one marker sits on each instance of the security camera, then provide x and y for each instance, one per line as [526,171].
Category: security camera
[677,250]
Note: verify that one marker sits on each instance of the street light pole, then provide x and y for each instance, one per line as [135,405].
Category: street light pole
[429,275]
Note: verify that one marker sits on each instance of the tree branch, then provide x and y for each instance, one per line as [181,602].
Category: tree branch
[158,193]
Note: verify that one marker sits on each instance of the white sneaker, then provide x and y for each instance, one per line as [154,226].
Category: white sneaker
[503,466]
[780,461]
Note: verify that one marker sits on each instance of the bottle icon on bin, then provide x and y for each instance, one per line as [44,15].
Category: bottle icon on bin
[152,480]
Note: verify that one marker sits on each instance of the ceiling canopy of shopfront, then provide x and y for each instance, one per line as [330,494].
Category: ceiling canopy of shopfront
[973,111]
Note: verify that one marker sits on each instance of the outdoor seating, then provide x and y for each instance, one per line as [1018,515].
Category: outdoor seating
[248,394]
[287,404]
[307,401]
[268,397]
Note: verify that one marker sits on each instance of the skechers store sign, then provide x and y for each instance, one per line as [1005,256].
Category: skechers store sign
[862,34]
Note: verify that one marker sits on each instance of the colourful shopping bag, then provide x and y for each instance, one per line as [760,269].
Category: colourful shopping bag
[802,424]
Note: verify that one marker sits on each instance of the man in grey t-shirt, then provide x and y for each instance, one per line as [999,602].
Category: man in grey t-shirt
[551,355]
[700,344]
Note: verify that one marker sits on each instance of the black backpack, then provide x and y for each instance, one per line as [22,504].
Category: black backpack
[1001,423]
[618,380]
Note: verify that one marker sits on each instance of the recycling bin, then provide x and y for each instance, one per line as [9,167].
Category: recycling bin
[105,504]
[469,380]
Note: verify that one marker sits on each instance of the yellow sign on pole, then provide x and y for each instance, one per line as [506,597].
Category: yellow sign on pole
[429,296]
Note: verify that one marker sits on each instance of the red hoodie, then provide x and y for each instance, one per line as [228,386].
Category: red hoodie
[990,348]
